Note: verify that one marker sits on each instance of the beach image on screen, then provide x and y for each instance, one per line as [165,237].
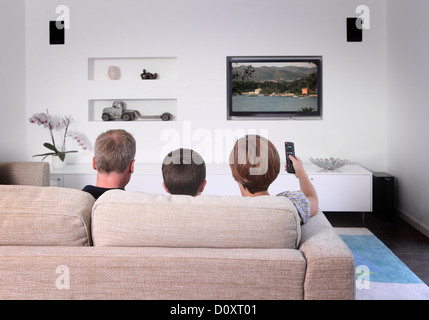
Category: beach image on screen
[274,87]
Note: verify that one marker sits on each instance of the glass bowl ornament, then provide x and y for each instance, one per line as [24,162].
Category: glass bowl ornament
[329,164]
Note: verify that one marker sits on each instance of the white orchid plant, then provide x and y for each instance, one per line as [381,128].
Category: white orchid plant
[58,123]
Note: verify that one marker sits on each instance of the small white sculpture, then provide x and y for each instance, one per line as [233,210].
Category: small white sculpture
[329,164]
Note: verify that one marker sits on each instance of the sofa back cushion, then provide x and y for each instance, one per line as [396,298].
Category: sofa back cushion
[33,173]
[44,216]
[131,218]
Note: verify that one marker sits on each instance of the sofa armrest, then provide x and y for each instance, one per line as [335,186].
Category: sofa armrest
[25,173]
[330,264]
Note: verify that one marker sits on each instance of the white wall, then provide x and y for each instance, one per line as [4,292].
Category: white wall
[201,34]
[408,112]
[364,120]
[13,119]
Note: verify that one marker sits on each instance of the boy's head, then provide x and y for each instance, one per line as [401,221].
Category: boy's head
[184,172]
[254,163]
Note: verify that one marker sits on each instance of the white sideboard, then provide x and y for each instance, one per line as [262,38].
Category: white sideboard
[346,189]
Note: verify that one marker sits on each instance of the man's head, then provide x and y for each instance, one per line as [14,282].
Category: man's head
[184,172]
[254,163]
[114,151]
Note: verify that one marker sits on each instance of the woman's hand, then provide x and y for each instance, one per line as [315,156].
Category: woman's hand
[298,166]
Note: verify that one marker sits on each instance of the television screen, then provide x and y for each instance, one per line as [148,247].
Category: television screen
[288,87]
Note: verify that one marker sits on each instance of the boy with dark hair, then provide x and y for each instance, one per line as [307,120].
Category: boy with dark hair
[184,172]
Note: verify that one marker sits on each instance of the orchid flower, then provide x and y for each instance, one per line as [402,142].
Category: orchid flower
[51,124]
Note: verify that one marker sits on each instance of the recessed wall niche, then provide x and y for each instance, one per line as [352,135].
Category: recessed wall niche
[132,68]
[120,79]
[149,109]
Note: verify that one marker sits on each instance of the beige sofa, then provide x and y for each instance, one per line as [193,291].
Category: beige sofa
[25,173]
[58,243]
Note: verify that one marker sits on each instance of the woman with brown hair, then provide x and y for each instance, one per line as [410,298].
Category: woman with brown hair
[255,164]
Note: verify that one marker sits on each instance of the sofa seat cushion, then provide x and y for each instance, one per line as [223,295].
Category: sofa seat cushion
[44,216]
[131,218]
[151,274]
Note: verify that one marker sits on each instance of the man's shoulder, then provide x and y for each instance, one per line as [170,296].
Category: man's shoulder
[97,191]
[88,188]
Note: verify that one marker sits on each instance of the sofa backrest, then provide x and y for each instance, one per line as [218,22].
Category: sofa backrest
[44,216]
[25,173]
[131,218]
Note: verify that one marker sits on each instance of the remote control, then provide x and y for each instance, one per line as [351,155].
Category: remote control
[290,151]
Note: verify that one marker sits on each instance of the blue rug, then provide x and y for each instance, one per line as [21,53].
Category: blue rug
[380,275]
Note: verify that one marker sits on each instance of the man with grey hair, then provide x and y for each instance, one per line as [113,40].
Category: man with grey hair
[113,159]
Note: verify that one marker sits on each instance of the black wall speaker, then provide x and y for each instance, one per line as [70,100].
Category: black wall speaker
[354,34]
[56,35]
[383,194]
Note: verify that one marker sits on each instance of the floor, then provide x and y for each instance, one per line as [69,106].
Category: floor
[407,243]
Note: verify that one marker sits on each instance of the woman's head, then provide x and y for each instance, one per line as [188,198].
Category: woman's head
[254,162]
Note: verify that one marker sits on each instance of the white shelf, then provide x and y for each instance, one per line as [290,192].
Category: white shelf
[151,97]
[131,68]
[146,107]
[139,168]
[220,169]
[346,189]
[311,168]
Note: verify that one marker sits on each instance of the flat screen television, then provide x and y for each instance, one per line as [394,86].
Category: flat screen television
[274,87]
